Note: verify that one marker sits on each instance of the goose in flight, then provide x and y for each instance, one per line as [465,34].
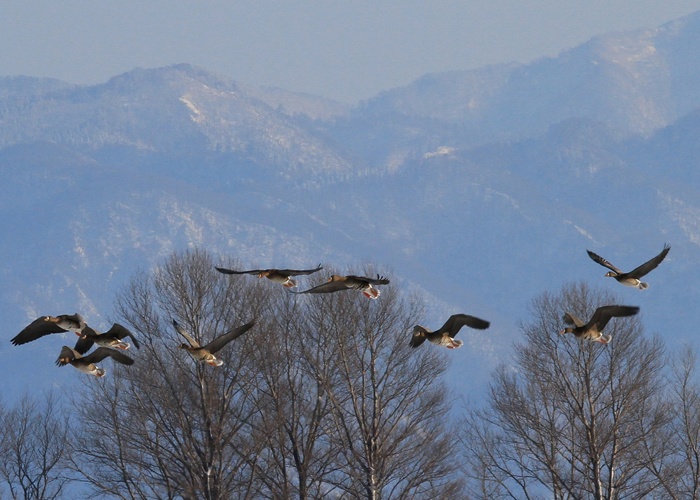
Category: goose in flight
[205,353]
[337,283]
[86,364]
[593,330]
[46,325]
[631,278]
[445,335]
[114,338]
[282,276]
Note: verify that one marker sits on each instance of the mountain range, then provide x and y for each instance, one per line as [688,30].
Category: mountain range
[478,190]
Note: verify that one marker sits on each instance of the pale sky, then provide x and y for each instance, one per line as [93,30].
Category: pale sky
[343,49]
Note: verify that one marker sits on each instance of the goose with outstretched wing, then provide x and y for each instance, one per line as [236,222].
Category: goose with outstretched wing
[282,276]
[46,325]
[205,353]
[445,335]
[113,338]
[631,278]
[593,330]
[338,283]
[87,364]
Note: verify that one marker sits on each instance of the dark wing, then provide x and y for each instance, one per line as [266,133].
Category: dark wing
[120,332]
[102,352]
[224,339]
[35,330]
[600,260]
[231,271]
[379,280]
[327,287]
[650,264]
[570,319]
[455,322]
[419,335]
[188,337]
[66,353]
[297,272]
[603,314]
[83,345]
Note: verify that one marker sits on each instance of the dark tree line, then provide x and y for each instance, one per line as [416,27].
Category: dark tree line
[573,420]
[324,398]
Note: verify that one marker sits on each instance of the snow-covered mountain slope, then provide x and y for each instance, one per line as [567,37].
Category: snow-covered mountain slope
[103,182]
[634,82]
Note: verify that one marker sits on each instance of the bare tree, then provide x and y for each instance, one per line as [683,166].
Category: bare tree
[168,426]
[34,461]
[294,409]
[323,397]
[570,418]
[673,454]
[388,402]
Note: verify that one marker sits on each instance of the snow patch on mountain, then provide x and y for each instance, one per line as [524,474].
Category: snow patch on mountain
[197,116]
[685,215]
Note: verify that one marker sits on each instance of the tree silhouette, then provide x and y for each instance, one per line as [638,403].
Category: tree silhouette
[35,434]
[388,402]
[324,396]
[168,426]
[570,417]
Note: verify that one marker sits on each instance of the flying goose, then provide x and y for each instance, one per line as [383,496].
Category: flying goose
[445,336]
[337,283]
[631,278]
[282,276]
[114,338]
[593,330]
[205,353]
[86,364]
[46,325]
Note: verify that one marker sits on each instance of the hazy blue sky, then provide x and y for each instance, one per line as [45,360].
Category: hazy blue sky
[344,49]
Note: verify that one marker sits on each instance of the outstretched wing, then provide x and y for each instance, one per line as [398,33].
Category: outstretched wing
[570,319]
[187,336]
[121,332]
[103,352]
[35,330]
[379,280]
[327,287]
[600,260]
[83,345]
[231,271]
[419,335]
[224,339]
[650,264]
[297,272]
[455,322]
[66,356]
[603,314]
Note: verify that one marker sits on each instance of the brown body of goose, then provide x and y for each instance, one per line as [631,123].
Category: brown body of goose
[46,325]
[593,330]
[445,336]
[205,353]
[281,276]
[114,338]
[86,364]
[631,278]
[337,283]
